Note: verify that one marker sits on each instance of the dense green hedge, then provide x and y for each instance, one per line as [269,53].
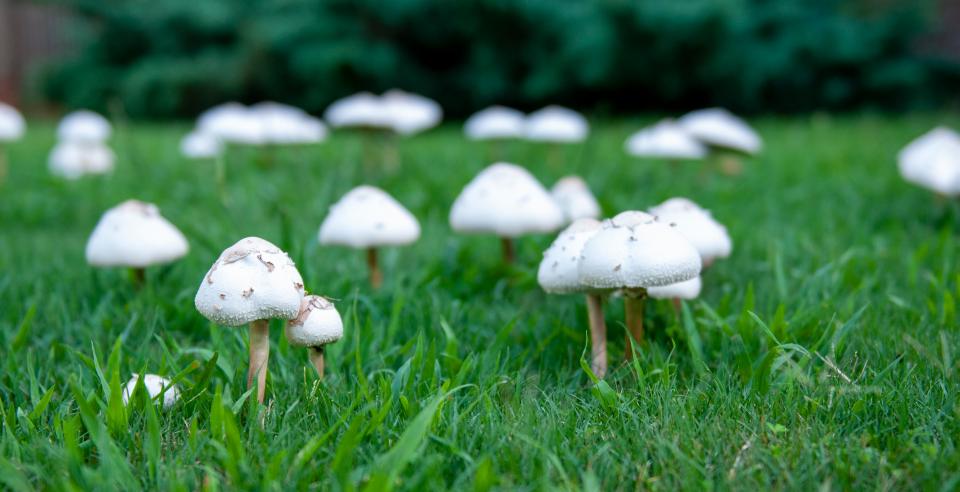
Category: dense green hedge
[176,57]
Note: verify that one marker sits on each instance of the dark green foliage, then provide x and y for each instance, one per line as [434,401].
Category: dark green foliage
[177,57]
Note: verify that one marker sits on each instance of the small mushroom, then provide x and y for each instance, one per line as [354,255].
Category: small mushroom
[155,385]
[134,235]
[665,140]
[274,289]
[317,324]
[723,131]
[410,113]
[506,200]
[200,145]
[495,123]
[575,199]
[72,160]
[680,291]
[368,218]
[708,236]
[932,161]
[556,125]
[84,127]
[12,128]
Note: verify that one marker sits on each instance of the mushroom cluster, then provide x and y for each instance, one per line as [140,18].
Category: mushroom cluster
[395,111]
[81,147]
[554,124]
[265,123]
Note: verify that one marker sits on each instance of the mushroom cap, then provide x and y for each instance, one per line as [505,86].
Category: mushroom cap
[635,250]
[285,124]
[200,145]
[574,197]
[154,385]
[933,161]
[556,124]
[368,217]
[251,280]
[688,289]
[665,140]
[698,226]
[720,128]
[72,159]
[134,234]
[558,272]
[83,126]
[12,124]
[410,113]
[495,122]
[318,323]
[506,200]
[362,109]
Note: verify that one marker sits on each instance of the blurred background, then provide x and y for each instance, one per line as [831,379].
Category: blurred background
[174,58]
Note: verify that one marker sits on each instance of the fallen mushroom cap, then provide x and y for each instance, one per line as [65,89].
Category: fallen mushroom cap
[574,197]
[933,161]
[134,234]
[368,217]
[558,272]
[665,140]
[83,126]
[317,324]
[720,128]
[495,122]
[71,160]
[358,110]
[698,226]
[688,289]
[154,385]
[251,280]
[200,145]
[410,113]
[556,124]
[635,250]
[12,124]
[506,200]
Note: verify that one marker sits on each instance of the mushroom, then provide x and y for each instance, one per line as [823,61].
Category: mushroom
[666,140]
[558,274]
[317,324]
[634,251]
[556,124]
[722,130]
[360,110]
[574,197]
[506,200]
[283,124]
[410,113]
[708,236]
[200,145]
[134,235]
[252,282]
[83,126]
[686,290]
[494,123]
[72,160]
[232,123]
[155,385]
[12,128]
[367,218]
[932,161]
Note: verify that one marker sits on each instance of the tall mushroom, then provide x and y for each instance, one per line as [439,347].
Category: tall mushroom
[558,274]
[134,235]
[317,325]
[575,199]
[634,251]
[252,282]
[368,218]
[506,200]
[12,127]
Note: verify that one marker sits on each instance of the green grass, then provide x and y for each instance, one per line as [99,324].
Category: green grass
[822,353]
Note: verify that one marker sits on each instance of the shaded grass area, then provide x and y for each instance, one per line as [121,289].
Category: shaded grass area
[822,353]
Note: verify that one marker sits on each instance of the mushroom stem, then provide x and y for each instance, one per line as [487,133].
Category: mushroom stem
[316,358]
[3,165]
[139,276]
[676,305]
[506,245]
[376,276]
[259,356]
[598,335]
[633,307]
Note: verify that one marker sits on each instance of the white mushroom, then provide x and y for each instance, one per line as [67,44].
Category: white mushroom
[252,282]
[368,218]
[83,127]
[410,113]
[232,123]
[635,251]
[687,289]
[933,161]
[666,140]
[360,110]
[317,324]
[72,160]
[505,200]
[575,199]
[556,124]
[12,124]
[283,124]
[200,145]
[558,274]
[134,235]
[495,122]
[708,236]
[720,128]
[154,385]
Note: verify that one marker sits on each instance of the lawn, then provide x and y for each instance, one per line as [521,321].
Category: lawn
[821,353]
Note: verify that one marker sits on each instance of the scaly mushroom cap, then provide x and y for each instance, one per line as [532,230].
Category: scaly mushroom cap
[199,145]
[688,289]
[495,122]
[154,385]
[134,234]
[635,250]
[708,236]
[720,128]
[368,217]
[410,113]
[666,140]
[12,124]
[558,270]
[251,280]
[363,110]
[556,124]
[574,197]
[506,200]
[83,126]
[933,161]
[317,324]
[71,160]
